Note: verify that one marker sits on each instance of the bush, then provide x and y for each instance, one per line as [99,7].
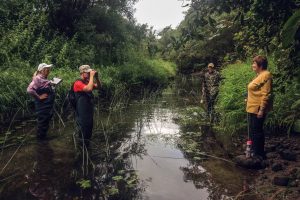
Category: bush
[147,73]
[233,88]
[231,105]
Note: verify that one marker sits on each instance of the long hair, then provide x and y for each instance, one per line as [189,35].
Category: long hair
[35,74]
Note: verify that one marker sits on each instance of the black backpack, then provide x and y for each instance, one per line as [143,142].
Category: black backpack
[72,96]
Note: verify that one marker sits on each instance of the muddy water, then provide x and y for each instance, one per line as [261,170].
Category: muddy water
[161,167]
[140,140]
[166,170]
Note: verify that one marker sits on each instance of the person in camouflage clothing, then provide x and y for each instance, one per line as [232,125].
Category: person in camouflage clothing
[210,88]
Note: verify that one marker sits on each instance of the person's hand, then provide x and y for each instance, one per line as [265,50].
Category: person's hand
[92,73]
[260,114]
[43,96]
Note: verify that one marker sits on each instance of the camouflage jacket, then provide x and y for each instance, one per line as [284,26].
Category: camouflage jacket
[211,83]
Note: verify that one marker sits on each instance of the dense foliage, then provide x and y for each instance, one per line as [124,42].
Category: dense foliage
[226,32]
[70,33]
[231,104]
[105,35]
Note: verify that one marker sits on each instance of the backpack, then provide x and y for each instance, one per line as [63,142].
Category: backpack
[71,96]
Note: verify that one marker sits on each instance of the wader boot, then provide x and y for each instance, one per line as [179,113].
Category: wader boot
[84,115]
[210,100]
[44,112]
[257,135]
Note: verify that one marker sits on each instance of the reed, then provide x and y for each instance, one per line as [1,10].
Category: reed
[118,82]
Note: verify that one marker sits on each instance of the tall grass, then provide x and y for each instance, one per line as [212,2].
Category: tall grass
[140,74]
[149,73]
[231,104]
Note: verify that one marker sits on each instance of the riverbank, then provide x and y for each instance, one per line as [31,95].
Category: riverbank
[280,178]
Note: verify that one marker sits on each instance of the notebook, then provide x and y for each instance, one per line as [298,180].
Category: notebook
[56,81]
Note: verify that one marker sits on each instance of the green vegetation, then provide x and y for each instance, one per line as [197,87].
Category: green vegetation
[230,33]
[130,58]
[231,104]
[105,35]
[146,73]
[192,118]
[84,184]
[68,34]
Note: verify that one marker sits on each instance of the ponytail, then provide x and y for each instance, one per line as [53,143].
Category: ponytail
[35,74]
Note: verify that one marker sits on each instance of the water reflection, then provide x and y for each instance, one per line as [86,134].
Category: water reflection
[134,154]
[160,167]
[172,173]
[40,184]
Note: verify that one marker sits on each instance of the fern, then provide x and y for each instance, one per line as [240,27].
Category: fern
[290,29]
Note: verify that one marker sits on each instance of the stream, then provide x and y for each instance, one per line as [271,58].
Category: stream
[135,154]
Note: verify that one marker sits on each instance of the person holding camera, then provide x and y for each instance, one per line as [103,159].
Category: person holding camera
[84,109]
[41,90]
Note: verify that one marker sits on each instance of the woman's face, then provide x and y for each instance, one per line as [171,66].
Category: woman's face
[46,71]
[255,67]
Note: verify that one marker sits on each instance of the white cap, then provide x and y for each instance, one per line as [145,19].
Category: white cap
[43,66]
[85,69]
[211,65]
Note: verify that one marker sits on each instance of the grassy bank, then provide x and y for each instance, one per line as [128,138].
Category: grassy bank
[144,73]
[231,105]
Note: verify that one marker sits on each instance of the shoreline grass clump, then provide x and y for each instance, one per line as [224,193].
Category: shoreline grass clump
[232,93]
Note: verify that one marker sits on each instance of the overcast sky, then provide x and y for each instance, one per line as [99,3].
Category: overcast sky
[159,13]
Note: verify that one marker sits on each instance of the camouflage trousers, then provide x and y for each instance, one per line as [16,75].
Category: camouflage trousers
[210,103]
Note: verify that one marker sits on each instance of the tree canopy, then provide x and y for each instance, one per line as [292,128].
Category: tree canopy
[224,31]
[70,32]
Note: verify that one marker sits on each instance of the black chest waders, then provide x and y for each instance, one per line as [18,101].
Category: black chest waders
[84,115]
[44,111]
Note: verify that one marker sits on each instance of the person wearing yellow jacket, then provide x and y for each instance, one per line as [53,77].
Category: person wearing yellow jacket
[259,103]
